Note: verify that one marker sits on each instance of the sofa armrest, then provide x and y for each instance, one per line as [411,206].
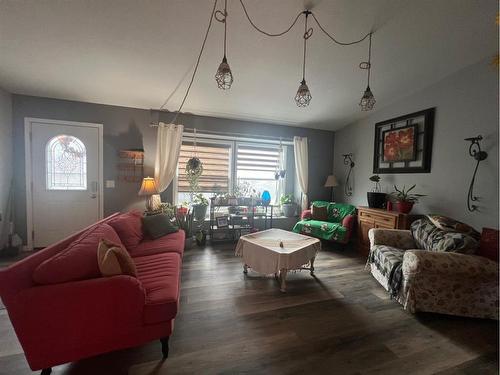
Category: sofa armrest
[306,215]
[400,239]
[79,312]
[444,264]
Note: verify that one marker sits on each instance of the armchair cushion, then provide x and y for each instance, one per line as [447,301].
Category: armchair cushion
[444,264]
[488,245]
[401,239]
[319,213]
[321,229]
[306,215]
[129,228]
[429,237]
[79,260]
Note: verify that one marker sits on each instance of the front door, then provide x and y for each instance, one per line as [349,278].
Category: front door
[66,170]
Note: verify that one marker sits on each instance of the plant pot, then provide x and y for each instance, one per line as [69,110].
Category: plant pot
[200,212]
[188,243]
[404,207]
[201,238]
[376,199]
[288,209]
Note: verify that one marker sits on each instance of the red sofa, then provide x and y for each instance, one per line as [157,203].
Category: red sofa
[60,322]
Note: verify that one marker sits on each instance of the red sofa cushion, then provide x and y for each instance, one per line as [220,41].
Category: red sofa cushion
[173,242]
[488,245]
[78,261]
[160,278]
[129,228]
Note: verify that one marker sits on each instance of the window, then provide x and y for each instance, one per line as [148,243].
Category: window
[66,163]
[256,166]
[232,165]
[216,177]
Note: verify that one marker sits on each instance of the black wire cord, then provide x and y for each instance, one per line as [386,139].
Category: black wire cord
[307,35]
[196,65]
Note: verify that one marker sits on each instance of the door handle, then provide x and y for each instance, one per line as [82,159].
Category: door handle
[94,187]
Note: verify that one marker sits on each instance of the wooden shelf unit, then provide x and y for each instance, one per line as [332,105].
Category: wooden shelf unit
[369,218]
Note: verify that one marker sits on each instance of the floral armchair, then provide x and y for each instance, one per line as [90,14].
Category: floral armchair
[427,269]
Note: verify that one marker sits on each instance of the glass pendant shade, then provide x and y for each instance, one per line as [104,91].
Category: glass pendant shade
[224,77]
[367,102]
[303,96]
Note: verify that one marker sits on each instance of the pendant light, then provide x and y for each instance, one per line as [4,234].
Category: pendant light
[223,77]
[367,101]
[303,96]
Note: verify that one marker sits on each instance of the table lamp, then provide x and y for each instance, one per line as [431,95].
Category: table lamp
[331,182]
[148,189]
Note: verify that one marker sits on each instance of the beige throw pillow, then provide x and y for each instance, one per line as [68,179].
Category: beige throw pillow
[113,260]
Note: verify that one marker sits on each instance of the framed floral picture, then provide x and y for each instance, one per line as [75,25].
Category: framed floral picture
[404,144]
[400,144]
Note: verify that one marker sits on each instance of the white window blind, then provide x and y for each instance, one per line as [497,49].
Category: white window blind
[257,162]
[216,167]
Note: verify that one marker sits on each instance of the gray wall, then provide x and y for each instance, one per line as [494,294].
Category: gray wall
[466,105]
[128,128]
[5,162]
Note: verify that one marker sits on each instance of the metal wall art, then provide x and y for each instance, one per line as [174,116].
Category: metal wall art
[479,155]
[348,183]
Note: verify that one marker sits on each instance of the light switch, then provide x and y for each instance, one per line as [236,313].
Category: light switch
[110,184]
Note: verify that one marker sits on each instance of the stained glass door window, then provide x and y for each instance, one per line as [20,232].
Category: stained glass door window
[66,163]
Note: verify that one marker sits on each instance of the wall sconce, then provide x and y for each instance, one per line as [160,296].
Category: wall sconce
[479,155]
[348,186]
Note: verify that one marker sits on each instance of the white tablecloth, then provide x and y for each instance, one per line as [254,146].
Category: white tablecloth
[261,251]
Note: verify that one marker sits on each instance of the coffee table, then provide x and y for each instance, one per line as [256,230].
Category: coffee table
[277,251]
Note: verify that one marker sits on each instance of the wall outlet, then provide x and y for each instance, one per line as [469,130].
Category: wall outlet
[110,184]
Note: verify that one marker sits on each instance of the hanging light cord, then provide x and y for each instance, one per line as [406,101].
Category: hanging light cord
[265,32]
[196,65]
[335,40]
[368,64]
[307,35]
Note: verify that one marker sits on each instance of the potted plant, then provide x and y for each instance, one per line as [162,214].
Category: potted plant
[200,204]
[287,205]
[376,199]
[405,200]
[185,222]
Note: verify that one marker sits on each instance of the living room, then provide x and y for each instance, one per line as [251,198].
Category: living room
[302,186]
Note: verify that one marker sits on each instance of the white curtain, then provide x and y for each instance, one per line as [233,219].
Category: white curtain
[301,167]
[168,146]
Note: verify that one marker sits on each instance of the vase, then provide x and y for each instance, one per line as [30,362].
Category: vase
[376,199]
[288,209]
[199,212]
[404,207]
[266,198]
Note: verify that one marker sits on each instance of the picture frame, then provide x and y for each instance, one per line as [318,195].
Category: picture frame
[222,222]
[404,144]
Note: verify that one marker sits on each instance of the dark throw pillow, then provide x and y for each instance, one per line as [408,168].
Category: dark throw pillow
[319,213]
[156,226]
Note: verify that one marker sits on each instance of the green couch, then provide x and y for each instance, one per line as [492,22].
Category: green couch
[338,227]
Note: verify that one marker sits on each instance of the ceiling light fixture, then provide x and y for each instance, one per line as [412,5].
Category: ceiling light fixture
[224,77]
[367,101]
[303,96]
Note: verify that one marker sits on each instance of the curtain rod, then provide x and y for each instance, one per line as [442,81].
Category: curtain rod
[200,132]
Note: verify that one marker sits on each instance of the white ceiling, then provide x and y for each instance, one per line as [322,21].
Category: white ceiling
[136,52]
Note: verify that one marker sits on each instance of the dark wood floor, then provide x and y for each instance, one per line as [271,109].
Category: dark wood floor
[341,322]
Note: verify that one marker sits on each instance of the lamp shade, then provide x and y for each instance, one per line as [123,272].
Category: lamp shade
[331,181]
[148,186]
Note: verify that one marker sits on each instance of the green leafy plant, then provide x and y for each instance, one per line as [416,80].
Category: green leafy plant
[286,199]
[403,195]
[376,179]
[200,200]
[194,169]
[185,222]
